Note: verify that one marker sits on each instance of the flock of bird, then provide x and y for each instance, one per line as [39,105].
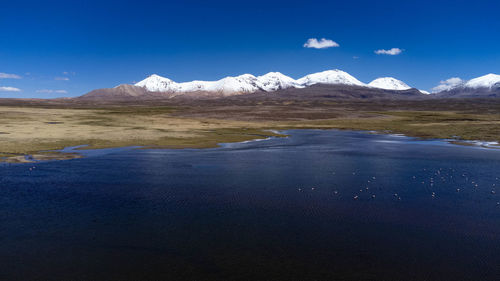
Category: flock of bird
[432,181]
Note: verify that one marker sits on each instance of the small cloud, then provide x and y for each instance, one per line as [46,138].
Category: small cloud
[355,57]
[46,91]
[448,84]
[9,89]
[9,76]
[391,52]
[320,44]
[62,78]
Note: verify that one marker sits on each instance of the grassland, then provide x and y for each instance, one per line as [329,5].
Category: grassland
[40,128]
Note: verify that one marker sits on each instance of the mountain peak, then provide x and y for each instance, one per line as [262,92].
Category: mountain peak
[486,81]
[334,76]
[389,83]
[274,81]
[155,83]
[274,73]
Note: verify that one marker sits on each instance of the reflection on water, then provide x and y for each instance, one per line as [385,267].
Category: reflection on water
[319,205]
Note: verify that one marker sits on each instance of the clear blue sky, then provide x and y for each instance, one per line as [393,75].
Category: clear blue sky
[76,46]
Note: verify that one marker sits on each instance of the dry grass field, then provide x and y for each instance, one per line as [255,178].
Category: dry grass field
[41,128]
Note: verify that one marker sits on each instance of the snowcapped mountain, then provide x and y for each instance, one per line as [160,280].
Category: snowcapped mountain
[483,86]
[248,83]
[487,81]
[245,83]
[389,83]
[269,82]
[330,77]
[274,81]
[156,83]
[155,87]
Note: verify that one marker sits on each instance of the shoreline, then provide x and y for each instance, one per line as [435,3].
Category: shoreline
[73,152]
[40,132]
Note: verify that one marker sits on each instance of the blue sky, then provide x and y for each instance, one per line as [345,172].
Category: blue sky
[67,48]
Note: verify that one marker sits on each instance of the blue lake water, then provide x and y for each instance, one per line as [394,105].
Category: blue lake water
[318,205]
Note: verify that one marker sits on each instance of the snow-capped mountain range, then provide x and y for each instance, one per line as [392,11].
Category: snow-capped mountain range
[269,82]
[273,81]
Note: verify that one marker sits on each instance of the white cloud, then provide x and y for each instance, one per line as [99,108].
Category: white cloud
[10,76]
[62,78]
[9,89]
[391,52]
[320,44]
[46,91]
[448,84]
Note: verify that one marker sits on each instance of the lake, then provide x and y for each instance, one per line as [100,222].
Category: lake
[317,205]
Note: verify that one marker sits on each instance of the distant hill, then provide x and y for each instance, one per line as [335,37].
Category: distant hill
[122,91]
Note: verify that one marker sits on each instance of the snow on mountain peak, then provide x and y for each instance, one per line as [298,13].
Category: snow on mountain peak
[389,83]
[330,77]
[274,81]
[246,83]
[487,81]
[156,83]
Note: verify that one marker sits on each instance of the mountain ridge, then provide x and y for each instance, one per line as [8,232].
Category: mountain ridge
[272,81]
[155,86]
[483,86]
